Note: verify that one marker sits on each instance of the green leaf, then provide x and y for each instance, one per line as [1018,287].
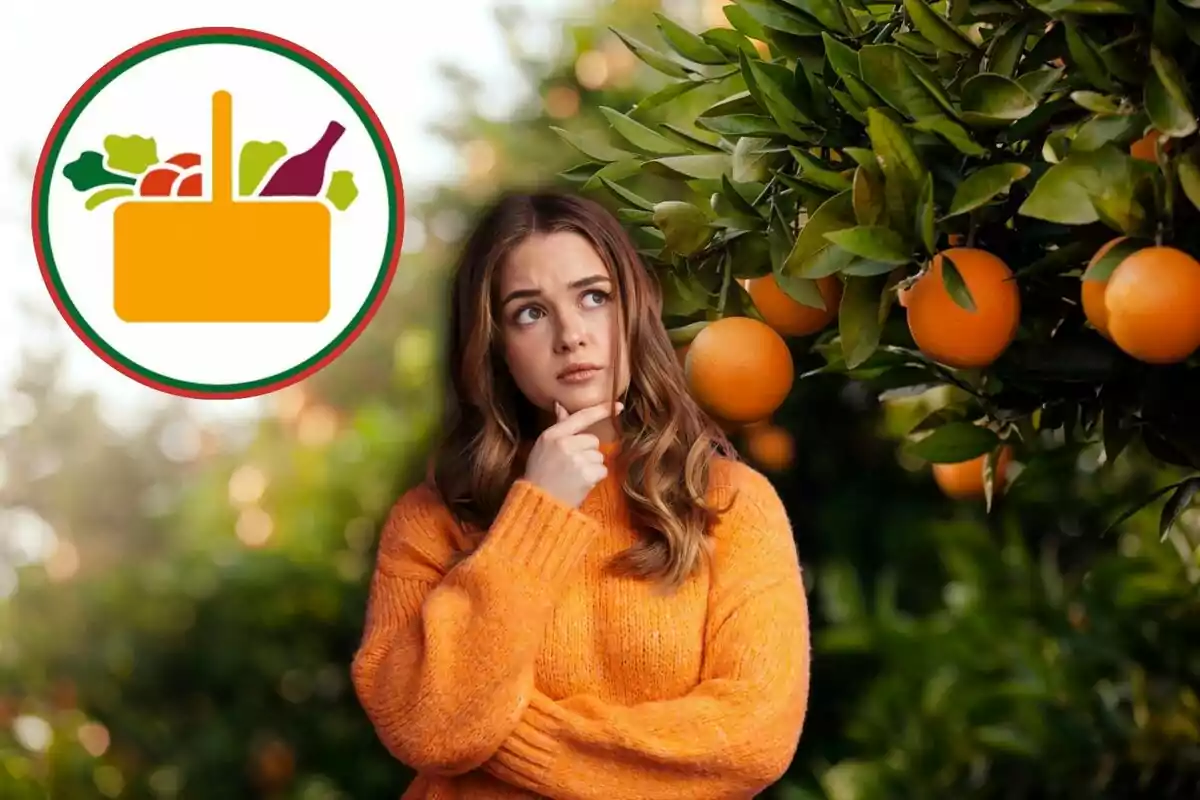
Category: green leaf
[1168,116]
[841,57]
[804,291]
[665,95]
[828,260]
[640,136]
[745,24]
[902,170]
[916,43]
[859,325]
[1166,97]
[683,296]
[1104,266]
[926,228]
[735,125]
[654,59]
[812,171]
[954,443]
[685,227]
[688,44]
[769,90]
[709,166]
[779,17]
[740,103]
[595,150]
[826,12]
[635,216]
[873,242]
[689,139]
[1086,56]
[937,29]
[834,214]
[131,154]
[865,267]
[1105,128]
[628,196]
[752,159]
[1139,505]
[1188,168]
[341,192]
[984,184]
[867,194]
[730,42]
[1098,185]
[1006,47]
[1040,81]
[993,101]
[616,171]
[686,333]
[1175,505]
[952,132]
[885,68]
[955,286]
[1096,102]
[1167,27]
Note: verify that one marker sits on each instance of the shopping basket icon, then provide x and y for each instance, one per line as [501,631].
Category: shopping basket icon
[221,260]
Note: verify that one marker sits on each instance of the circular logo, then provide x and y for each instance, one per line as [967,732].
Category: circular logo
[217,213]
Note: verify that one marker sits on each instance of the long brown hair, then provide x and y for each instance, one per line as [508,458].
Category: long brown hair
[667,443]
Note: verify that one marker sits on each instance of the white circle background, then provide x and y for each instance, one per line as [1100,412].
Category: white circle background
[169,97]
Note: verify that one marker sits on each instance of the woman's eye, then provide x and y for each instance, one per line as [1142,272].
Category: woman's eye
[527,315]
[598,297]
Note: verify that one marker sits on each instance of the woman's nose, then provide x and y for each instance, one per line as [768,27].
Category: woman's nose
[571,332]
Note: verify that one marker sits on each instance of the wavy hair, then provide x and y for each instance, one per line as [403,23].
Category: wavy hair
[667,443]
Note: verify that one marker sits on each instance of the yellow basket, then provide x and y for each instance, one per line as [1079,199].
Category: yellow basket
[220,260]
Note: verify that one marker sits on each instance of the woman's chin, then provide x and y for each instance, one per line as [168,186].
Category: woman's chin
[577,398]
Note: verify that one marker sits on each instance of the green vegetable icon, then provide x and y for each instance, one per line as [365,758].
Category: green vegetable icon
[88,172]
[342,191]
[254,162]
[131,154]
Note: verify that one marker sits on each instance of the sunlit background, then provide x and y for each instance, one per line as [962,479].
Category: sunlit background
[182,583]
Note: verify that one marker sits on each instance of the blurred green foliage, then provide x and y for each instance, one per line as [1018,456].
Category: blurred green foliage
[191,634]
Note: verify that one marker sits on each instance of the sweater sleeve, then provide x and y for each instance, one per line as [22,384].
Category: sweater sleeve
[445,666]
[735,733]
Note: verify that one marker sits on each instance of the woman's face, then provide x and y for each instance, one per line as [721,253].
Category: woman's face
[558,317]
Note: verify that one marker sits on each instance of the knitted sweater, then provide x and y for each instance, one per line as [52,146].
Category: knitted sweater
[526,670]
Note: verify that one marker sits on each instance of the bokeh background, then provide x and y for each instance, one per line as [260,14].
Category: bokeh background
[182,584]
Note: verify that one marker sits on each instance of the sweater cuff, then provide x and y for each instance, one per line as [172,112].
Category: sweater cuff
[531,751]
[537,536]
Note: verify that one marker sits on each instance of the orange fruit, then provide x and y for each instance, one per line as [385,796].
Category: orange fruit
[1143,148]
[1091,294]
[1152,303]
[790,317]
[771,447]
[739,369]
[952,335]
[964,480]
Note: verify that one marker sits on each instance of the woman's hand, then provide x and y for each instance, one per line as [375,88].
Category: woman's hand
[566,462]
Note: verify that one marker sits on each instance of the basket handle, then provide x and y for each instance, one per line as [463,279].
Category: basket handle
[222,147]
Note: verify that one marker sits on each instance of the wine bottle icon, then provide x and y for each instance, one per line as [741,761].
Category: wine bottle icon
[303,174]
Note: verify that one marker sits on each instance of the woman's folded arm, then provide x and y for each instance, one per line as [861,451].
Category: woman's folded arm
[731,736]
[445,667]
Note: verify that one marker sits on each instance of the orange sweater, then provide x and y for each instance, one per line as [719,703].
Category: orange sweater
[528,671]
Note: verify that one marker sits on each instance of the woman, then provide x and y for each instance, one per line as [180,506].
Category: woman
[588,597]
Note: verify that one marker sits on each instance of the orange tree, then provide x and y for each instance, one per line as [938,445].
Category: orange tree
[928,193]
